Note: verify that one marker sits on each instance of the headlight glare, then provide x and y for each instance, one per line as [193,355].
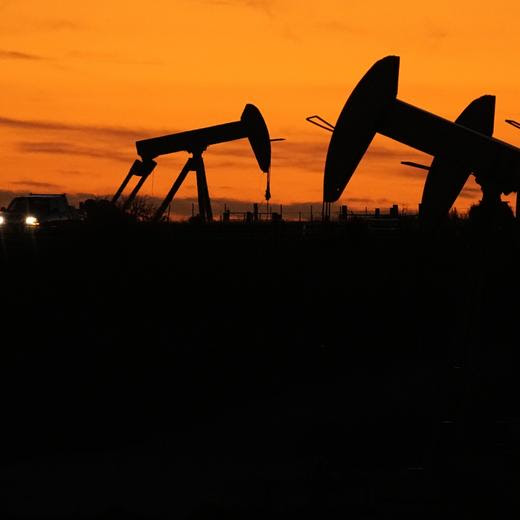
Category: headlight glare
[31,221]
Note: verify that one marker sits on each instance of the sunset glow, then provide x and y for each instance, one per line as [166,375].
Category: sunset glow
[82,81]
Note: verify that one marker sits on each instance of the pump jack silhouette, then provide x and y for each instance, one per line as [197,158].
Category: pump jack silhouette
[373,107]
[490,194]
[445,174]
[250,125]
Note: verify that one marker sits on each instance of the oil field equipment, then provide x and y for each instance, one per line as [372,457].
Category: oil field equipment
[251,126]
[445,173]
[373,108]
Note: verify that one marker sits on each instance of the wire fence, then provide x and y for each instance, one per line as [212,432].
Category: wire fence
[315,214]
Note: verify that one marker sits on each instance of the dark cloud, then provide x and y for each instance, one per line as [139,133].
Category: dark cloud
[74,198]
[61,148]
[291,211]
[76,173]
[382,152]
[306,155]
[258,4]
[181,207]
[33,23]
[29,124]
[111,143]
[100,131]
[242,148]
[35,184]
[470,192]
[116,144]
[17,55]
[365,201]
[412,174]
[310,155]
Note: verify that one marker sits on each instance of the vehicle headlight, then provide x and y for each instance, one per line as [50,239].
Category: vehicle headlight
[31,221]
[2,220]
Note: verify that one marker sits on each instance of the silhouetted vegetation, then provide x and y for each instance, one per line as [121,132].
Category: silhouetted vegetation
[142,208]
[102,212]
[492,216]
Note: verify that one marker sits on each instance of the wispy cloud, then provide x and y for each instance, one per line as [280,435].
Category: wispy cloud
[305,155]
[116,144]
[258,4]
[119,138]
[61,148]
[334,27]
[19,23]
[76,173]
[31,124]
[435,31]
[470,192]
[6,196]
[17,55]
[310,155]
[182,206]
[383,152]
[267,6]
[366,201]
[36,184]
[110,143]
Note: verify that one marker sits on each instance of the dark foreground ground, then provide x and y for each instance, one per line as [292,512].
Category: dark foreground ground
[278,371]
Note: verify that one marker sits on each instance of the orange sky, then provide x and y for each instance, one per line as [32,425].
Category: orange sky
[83,80]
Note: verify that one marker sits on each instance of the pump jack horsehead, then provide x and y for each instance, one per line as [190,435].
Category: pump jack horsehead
[251,125]
[460,148]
